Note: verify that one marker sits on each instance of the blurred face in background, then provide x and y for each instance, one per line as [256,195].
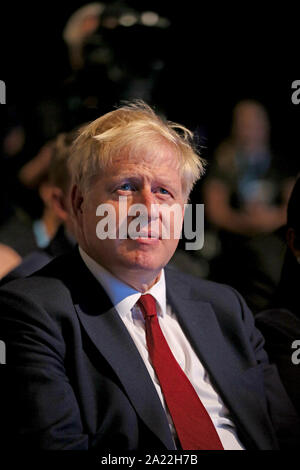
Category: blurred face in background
[251,125]
[61,205]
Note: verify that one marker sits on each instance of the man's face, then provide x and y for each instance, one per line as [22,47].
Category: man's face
[147,178]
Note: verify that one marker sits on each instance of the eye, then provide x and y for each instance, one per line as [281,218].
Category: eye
[126,187]
[163,191]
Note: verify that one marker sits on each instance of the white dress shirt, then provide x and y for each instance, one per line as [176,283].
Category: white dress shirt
[124,299]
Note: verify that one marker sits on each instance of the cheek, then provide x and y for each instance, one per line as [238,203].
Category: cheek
[171,224]
[89,225]
[170,245]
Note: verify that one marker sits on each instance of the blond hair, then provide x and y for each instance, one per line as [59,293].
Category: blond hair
[132,127]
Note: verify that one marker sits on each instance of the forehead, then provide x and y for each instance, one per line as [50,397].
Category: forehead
[152,156]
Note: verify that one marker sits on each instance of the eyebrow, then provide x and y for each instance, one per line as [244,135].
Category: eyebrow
[130,176]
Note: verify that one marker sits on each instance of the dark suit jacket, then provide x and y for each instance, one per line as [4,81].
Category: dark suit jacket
[280,329]
[75,380]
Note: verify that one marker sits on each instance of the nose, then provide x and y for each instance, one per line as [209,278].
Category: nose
[147,198]
[149,210]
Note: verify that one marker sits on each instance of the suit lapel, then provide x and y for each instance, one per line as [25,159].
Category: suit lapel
[110,336]
[200,324]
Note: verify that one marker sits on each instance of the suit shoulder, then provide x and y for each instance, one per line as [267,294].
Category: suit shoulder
[42,284]
[221,296]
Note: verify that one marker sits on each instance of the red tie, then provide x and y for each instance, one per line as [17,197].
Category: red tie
[193,425]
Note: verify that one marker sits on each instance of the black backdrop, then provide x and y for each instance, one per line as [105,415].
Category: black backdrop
[212,58]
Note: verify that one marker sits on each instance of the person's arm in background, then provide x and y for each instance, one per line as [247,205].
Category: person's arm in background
[9,260]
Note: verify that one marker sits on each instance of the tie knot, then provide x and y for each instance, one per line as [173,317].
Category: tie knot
[147,304]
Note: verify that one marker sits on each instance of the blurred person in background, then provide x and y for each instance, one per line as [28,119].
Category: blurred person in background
[105,63]
[280,324]
[79,27]
[15,221]
[34,175]
[27,221]
[54,231]
[245,195]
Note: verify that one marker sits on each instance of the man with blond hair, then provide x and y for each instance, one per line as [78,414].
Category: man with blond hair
[108,348]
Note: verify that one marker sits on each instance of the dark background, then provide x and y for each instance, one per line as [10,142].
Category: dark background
[212,57]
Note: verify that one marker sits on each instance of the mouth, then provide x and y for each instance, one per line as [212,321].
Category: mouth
[147,239]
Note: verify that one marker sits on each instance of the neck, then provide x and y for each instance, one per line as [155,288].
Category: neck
[138,279]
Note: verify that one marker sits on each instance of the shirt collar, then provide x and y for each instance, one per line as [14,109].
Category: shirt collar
[123,296]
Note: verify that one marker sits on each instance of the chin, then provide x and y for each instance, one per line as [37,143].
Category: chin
[148,261]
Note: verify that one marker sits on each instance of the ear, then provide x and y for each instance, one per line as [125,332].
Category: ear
[59,205]
[290,238]
[76,202]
